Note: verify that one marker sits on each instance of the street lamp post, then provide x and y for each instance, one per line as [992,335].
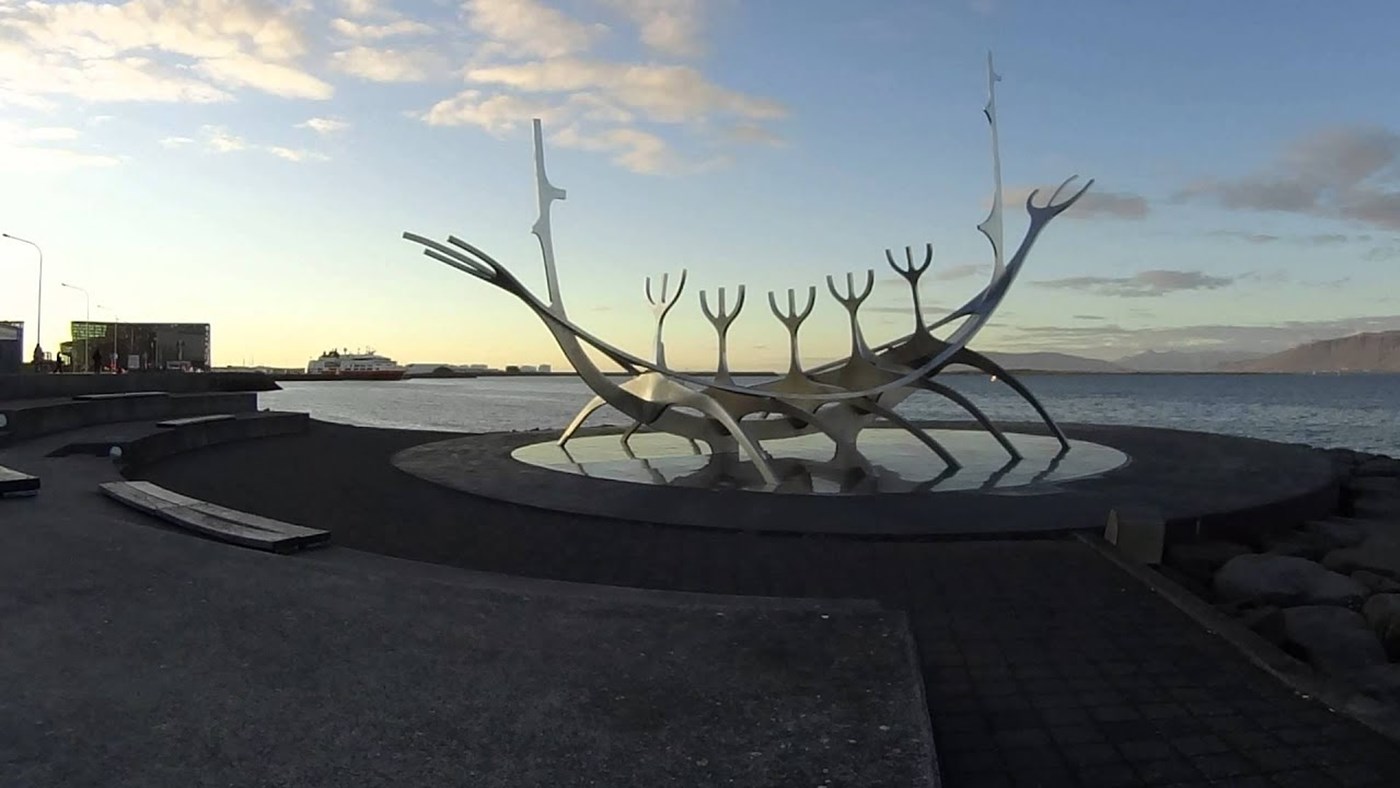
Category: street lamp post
[39,317]
[87,318]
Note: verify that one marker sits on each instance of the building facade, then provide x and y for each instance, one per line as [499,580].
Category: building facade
[11,346]
[137,346]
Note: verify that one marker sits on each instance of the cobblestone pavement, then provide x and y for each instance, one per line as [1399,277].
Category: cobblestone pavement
[1044,663]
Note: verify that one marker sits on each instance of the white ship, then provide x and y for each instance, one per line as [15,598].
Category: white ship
[345,365]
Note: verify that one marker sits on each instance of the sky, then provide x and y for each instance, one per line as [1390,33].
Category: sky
[253,165]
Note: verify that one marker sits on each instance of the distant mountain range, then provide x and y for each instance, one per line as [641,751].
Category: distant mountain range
[1052,362]
[1184,360]
[1374,352]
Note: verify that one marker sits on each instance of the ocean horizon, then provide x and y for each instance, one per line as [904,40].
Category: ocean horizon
[1343,410]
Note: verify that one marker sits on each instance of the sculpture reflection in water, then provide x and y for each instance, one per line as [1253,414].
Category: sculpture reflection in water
[838,400]
[804,464]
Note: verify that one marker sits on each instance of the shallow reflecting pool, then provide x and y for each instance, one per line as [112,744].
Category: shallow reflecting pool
[895,461]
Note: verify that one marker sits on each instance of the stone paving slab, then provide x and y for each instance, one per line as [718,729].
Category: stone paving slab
[1044,664]
[138,656]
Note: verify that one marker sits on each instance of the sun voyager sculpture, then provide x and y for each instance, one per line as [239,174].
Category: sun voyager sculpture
[838,399]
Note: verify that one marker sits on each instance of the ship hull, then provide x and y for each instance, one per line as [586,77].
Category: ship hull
[369,374]
[381,374]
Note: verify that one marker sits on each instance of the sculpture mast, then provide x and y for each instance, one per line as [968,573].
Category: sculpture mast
[992,225]
[547,193]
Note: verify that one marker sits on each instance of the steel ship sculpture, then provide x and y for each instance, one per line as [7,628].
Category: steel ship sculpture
[838,399]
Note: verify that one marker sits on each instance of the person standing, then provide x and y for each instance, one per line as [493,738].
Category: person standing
[97,361]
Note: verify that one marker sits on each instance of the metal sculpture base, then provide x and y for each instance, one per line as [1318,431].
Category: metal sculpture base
[808,464]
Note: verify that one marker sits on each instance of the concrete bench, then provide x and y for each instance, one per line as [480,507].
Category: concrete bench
[121,395]
[14,482]
[196,420]
[216,522]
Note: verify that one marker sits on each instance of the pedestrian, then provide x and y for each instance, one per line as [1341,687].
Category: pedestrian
[97,361]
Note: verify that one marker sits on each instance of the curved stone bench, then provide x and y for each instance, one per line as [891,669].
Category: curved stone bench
[214,521]
[22,421]
[181,435]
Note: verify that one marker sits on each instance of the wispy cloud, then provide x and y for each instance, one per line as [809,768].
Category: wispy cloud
[295,154]
[1345,173]
[155,50]
[325,125]
[671,27]
[964,271]
[1143,284]
[218,139]
[534,60]
[1317,239]
[1095,203]
[29,150]
[384,65]
[531,28]
[359,31]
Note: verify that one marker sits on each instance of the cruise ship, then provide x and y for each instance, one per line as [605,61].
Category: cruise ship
[354,366]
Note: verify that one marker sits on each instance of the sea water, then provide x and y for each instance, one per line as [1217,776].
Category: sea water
[1351,411]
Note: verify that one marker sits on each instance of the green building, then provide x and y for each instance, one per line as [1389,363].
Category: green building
[138,346]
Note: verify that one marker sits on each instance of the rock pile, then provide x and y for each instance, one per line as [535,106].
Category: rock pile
[1326,591]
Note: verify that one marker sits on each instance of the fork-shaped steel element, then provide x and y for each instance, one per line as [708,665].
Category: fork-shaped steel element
[852,303]
[721,320]
[792,320]
[911,274]
[1041,215]
[661,306]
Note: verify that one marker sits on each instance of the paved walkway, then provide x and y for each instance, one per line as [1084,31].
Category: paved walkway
[1044,663]
[135,655]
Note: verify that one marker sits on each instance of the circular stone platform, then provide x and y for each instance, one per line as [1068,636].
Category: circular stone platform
[1191,479]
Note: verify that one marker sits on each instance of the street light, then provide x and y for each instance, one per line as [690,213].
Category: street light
[87,301]
[87,318]
[38,318]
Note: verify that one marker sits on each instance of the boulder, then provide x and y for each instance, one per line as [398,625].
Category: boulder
[1379,554]
[1263,579]
[1301,544]
[1368,485]
[1378,466]
[1378,681]
[1377,507]
[1266,621]
[1345,458]
[1201,559]
[1376,584]
[1341,533]
[1333,639]
[1382,612]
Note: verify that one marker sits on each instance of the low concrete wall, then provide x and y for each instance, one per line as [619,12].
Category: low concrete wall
[33,421]
[33,386]
[197,436]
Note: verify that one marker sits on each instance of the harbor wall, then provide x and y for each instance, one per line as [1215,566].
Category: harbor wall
[38,386]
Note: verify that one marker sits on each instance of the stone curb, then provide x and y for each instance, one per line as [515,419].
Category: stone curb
[1337,695]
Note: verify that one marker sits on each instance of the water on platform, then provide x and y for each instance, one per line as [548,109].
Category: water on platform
[897,463]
